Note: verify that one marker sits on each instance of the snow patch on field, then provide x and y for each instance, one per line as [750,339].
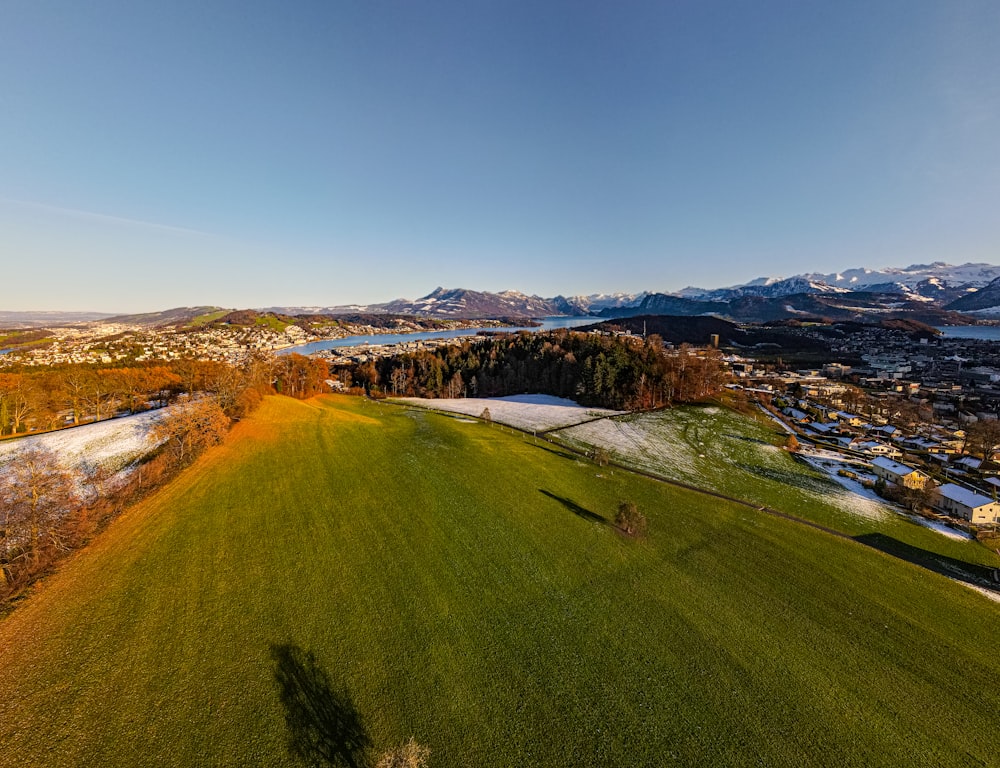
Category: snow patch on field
[942,528]
[534,413]
[111,445]
[716,449]
[639,442]
[852,494]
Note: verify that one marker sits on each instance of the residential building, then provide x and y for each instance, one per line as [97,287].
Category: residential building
[974,507]
[898,474]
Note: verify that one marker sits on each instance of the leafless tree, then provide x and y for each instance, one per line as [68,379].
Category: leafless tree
[191,428]
[36,495]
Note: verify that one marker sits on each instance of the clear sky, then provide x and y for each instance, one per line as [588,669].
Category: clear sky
[246,153]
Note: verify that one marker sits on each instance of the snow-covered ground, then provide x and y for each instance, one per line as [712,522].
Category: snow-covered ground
[717,449]
[111,445]
[941,528]
[535,413]
[862,501]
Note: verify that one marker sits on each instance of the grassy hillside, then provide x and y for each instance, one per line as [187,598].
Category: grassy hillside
[740,456]
[341,573]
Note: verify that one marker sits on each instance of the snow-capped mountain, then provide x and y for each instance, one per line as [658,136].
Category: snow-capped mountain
[765,287]
[970,275]
[460,302]
[595,302]
[986,300]
[937,282]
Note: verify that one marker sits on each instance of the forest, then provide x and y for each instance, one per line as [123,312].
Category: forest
[610,371]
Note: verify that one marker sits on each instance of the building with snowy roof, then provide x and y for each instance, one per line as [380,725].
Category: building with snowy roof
[898,474]
[974,507]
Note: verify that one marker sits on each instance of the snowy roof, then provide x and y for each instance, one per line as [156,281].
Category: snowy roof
[993,481]
[971,462]
[964,496]
[892,466]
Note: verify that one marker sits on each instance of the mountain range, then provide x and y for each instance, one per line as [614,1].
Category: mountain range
[935,293]
[930,292]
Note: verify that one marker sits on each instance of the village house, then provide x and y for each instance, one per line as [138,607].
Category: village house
[898,474]
[974,507]
[876,448]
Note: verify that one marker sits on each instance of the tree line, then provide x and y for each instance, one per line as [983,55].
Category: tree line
[608,371]
[37,400]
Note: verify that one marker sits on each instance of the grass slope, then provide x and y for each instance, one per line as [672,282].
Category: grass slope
[738,455]
[451,582]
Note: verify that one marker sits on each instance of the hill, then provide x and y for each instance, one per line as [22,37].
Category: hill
[986,298]
[175,316]
[342,575]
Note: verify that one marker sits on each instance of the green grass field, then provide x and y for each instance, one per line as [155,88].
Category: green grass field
[741,456]
[345,573]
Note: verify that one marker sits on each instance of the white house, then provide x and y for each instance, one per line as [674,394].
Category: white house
[974,507]
[875,448]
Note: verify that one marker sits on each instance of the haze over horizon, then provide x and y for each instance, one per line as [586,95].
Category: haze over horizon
[250,155]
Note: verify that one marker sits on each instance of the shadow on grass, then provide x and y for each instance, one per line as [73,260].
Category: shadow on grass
[551,448]
[970,573]
[324,728]
[576,509]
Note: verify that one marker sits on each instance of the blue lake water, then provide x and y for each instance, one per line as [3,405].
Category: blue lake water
[983,332]
[547,324]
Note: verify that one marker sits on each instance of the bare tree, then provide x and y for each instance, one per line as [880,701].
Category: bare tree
[16,402]
[982,437]
[630,520]
[190,428]
[36,495]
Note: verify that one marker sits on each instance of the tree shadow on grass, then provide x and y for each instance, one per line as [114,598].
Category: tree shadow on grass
[561,453]
[324,727]
[576,509]
[970,573]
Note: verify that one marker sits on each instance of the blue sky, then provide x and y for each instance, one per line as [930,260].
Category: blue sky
[315,153]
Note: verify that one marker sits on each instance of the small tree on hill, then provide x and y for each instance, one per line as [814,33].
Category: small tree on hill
[485,416]
[792,444]
[601,458]
[409,755]
[630,520]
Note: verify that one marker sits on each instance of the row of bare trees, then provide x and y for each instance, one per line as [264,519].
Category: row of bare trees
[33,400]
[49,508]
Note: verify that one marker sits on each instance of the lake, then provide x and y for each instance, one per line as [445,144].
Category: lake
[983,332]
[547,324]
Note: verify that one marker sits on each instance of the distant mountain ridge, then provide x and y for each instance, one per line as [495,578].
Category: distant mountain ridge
[465,303]
[985,300]
[932,282]
[936,292]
